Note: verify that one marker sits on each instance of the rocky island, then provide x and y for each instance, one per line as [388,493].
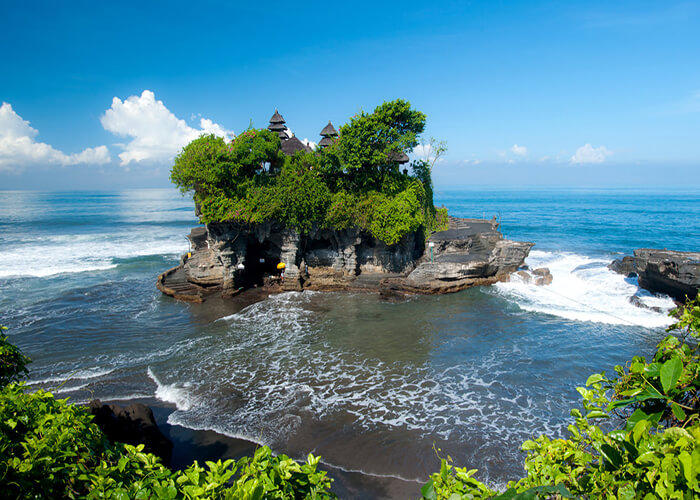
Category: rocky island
[344,216]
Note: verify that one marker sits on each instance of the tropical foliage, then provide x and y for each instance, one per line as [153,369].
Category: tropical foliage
[51,449]
[354,182]
[647,448]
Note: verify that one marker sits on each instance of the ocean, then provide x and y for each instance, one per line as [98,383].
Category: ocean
[374,387]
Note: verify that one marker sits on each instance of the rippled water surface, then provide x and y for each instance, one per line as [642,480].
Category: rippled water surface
[370,385]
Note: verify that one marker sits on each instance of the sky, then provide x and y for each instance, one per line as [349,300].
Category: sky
[103,95]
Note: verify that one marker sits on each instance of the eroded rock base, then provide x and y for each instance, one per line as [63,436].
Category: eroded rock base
[228,258]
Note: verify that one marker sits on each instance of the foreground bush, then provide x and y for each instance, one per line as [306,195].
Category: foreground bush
[653,452]
[51,449]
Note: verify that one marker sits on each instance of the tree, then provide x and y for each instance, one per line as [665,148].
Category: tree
[368,146]
[209,165]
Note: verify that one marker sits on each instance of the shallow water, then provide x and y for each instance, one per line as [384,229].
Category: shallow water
[370,385]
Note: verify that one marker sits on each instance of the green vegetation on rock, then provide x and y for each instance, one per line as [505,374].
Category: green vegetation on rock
[355,182]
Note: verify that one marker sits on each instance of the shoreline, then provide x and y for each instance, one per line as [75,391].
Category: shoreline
[203,445]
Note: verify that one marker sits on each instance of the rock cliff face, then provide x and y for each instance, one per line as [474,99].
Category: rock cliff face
[230,257]
[674,273]
[663,271]
[472,252]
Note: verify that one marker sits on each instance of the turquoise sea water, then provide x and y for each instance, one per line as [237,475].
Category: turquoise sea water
[368,384]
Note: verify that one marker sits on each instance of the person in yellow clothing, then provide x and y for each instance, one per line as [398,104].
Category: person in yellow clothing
[281,267]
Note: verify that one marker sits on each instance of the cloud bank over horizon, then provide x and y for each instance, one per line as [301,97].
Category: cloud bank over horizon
[156,133]
[589,154]
[19,148]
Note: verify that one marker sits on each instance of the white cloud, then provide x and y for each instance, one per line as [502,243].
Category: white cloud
[19,149]
[519,150]
[422,150]
[309,143]
[589,154]
[425,152]
[157,134]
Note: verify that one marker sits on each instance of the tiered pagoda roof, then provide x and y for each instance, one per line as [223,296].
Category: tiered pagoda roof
[277,124]
[289,143]
[329,134]
[399,157]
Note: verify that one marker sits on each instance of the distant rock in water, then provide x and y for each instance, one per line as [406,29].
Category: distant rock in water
[541,276]
[676,274]
[625,266]
[229,257]
[134,424]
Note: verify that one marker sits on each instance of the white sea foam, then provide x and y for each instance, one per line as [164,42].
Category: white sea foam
[82,374]
[51,255]
[584,289]
[172,393]
[290,375]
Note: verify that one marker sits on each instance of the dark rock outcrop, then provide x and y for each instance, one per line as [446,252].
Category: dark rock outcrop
[625,266]
[230,257]
[132,425]
[666,271]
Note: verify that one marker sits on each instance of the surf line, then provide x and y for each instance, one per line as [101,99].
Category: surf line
[590,307]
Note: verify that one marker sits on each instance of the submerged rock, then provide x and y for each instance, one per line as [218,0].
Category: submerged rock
[228,257]
[543,276]
[540,276]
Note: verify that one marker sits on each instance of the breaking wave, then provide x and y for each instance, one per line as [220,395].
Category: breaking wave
[584,289]
[58,254]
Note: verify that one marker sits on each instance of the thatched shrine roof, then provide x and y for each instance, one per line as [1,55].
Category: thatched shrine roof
[277,118]
[292,145]
[329,130]
[399,157]
[326,141]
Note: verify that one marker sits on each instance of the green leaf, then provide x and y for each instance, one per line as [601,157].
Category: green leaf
[687,465]
[670,373]
[652,370]
[596,377]
[678,412]
[611,455]
[640,415]
[597,414]
[428,491]
[626,492]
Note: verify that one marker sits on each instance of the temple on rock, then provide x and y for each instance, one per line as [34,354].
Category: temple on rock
[290,144]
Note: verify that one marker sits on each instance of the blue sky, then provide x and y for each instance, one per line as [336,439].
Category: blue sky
[103,95]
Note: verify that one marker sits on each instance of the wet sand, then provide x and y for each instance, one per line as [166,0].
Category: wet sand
[190,445]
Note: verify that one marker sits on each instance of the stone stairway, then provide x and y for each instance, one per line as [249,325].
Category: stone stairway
[174,283]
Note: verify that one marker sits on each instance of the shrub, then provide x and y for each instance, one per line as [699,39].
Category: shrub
[51,449]
[653,453]
[13,364]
